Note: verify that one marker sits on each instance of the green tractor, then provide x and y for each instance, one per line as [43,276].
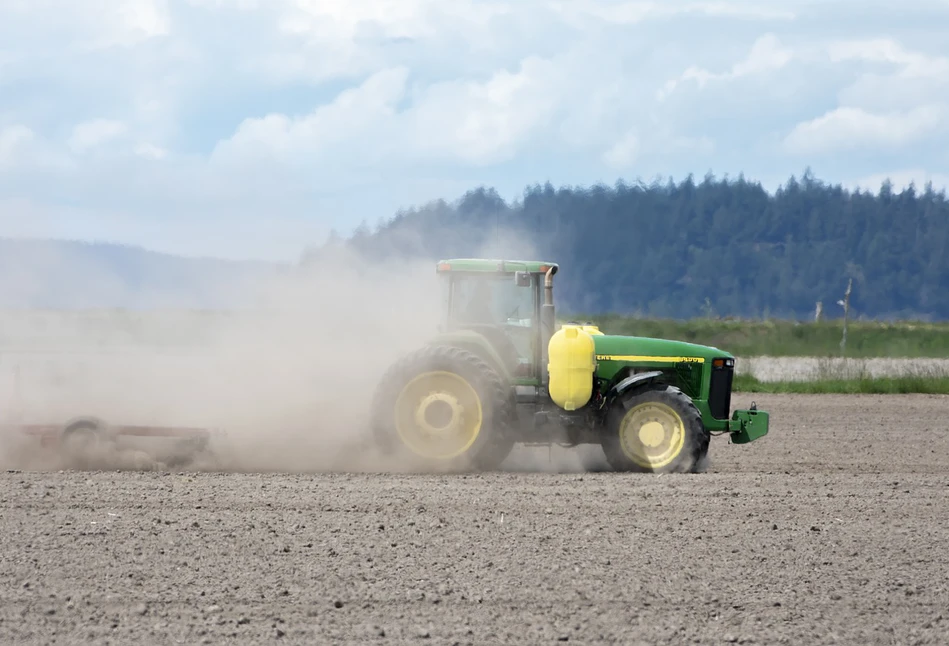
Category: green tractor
[499,373]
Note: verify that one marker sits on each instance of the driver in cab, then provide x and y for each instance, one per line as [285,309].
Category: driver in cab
[479,309]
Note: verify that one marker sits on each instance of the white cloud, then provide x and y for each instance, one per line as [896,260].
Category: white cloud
[343,18]
[898,79]
[886,50]
[888,92]
[472,122]
[13,140]
[91,134]
[485,122]
[756,10]
[146,18]
[628,13]
[320,40]
[767,54]
[87,25]
[354,113]
[849,128]
[150,151]
[624,152]
[891,97]
[240,5]
[318,114]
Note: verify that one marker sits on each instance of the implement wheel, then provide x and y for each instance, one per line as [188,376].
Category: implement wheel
[656,430]
[445,408]
[85,436]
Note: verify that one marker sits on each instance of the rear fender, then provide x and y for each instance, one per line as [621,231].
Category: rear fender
[476,344]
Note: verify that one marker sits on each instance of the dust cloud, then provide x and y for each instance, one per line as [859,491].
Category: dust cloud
[288,378]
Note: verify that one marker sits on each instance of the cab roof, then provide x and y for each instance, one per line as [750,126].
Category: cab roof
[487,265]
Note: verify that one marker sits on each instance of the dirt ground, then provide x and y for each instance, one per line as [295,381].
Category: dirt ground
[832,529]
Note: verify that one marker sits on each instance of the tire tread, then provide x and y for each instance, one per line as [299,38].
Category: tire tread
[693,458]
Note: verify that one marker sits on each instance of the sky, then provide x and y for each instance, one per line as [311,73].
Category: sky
[251,128]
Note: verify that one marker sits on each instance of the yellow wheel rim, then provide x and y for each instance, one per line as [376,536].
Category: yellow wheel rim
[438,415]
[652,435]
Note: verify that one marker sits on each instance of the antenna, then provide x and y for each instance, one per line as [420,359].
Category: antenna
[497,228]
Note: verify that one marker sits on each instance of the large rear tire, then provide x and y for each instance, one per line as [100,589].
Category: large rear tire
[444,408]
[655,430]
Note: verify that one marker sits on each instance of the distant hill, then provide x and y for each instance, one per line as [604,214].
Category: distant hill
[678,250]
[68,274]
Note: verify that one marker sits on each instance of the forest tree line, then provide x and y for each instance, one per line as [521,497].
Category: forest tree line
[718,247]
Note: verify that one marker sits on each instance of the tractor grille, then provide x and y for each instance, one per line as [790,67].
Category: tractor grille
[689,378]
[720,391]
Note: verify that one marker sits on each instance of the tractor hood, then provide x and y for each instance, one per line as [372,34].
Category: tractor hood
[636,348]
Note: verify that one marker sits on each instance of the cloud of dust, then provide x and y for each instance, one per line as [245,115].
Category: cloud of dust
[288,377]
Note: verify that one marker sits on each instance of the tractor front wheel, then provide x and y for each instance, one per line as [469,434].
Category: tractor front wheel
[655,430]
[445,408]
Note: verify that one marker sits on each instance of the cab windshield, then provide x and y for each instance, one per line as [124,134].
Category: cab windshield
[489,300]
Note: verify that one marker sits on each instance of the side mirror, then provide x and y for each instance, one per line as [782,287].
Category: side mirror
[522,278]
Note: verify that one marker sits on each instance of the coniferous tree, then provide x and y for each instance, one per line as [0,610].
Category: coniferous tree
[662,249]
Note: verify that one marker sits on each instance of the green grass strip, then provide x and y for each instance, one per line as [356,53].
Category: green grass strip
[750,338]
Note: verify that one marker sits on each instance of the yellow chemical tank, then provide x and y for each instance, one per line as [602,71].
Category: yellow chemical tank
[571,364]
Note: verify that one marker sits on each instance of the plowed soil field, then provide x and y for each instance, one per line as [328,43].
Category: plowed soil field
[832,529]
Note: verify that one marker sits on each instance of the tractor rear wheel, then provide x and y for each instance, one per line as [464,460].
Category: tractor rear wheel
[655,430]
[444,407]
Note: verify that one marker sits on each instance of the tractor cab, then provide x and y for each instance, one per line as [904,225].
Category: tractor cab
[501,301]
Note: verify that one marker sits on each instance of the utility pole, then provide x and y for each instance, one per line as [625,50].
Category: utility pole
[845,303]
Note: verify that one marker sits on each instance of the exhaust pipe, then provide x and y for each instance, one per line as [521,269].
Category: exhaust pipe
[547,322]
[549,287]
